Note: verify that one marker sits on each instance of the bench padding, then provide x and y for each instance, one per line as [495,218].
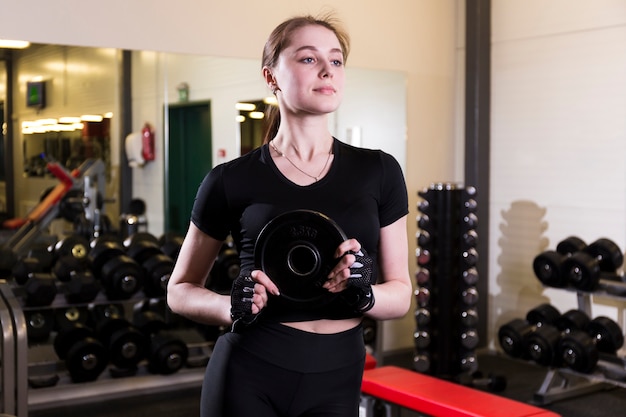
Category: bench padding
[437,397]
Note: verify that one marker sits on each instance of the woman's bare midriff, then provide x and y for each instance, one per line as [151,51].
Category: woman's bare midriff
[325,326]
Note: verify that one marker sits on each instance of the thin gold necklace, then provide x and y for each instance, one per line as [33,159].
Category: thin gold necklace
[316,178]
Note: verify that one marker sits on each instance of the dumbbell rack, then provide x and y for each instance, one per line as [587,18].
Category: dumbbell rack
[446,334]
[563,383]
[18,398]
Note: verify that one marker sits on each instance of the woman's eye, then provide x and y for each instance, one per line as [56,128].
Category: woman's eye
[337,62]
[308,60]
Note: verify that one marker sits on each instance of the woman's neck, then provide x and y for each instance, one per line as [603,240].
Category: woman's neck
[303,142]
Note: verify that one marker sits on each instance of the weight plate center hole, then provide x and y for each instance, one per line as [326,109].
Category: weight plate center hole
[303,260]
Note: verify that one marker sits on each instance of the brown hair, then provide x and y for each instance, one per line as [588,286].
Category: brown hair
[279,39]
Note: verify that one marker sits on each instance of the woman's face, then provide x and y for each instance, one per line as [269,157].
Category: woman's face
[310,72]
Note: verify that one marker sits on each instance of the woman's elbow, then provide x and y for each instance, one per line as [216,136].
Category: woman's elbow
[174,296]
[405,300]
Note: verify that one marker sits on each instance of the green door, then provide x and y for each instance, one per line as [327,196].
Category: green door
[189,159]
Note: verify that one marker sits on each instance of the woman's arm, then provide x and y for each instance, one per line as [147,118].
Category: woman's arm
[186,293]
[392,296]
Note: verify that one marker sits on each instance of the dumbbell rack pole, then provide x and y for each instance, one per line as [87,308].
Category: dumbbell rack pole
[15,356]
[7,353]
[563,383]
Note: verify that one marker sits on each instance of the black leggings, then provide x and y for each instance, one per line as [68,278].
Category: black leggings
[254,387]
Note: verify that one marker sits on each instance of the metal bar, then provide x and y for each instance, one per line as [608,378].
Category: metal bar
[584,302]
[477,138]
[21,351]
[8,377]
[556,387]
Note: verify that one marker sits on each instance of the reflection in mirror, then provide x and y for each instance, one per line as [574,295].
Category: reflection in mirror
[67,140]
[63,102]
[251,119]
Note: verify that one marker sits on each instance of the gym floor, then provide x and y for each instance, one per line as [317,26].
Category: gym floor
[523,381]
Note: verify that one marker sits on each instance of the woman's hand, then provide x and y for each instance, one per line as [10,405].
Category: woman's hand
[352,276]
[249,295]
[337,280]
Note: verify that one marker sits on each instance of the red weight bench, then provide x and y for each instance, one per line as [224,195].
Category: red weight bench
[370,361]
[403,388]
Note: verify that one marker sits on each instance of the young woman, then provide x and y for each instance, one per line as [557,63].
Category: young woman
[291,359]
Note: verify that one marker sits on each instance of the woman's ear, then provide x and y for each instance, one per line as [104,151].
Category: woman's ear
[268,76]
[270,80]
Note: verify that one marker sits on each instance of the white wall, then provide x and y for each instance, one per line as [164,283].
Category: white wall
[558,142]
[416,38]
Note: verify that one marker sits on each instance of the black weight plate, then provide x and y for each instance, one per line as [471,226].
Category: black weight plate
[75,246]
[608,253]
[296,250]
[571,244]
[547,268]
[543,314]
[607,334]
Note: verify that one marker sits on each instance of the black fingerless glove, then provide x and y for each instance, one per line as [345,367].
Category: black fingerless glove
[241,300]
[359,293]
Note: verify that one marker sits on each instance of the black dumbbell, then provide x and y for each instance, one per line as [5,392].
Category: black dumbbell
[145,250]
[43,252]
[491,382]
[72,204]
[167,353]
[70,264]
[422,317]
[74,246]
[69,316]
[8,258]
[170,244]
[543,342]
[469,339]
[39,325]
[79,283]
[23,267]
[601,258]
[469,317]
[126,345]
[225,269]
[513,336]
[547,266]
[37,288]
[84,355]
[40,289]
[370,331]
[580,350]
[120,275]
[140,237]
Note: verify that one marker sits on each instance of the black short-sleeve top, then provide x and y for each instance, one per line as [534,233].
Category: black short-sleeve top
[363,191]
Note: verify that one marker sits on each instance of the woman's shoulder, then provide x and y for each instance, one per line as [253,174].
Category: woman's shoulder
[242,162]
[364,154]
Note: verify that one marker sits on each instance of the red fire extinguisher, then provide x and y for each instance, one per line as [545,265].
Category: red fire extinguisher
[147,142]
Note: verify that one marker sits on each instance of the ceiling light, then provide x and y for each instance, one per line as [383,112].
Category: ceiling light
[7,43]
[91,118]
[43,122]
[256,115]
[245,106]
[68,119]
[271,100]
